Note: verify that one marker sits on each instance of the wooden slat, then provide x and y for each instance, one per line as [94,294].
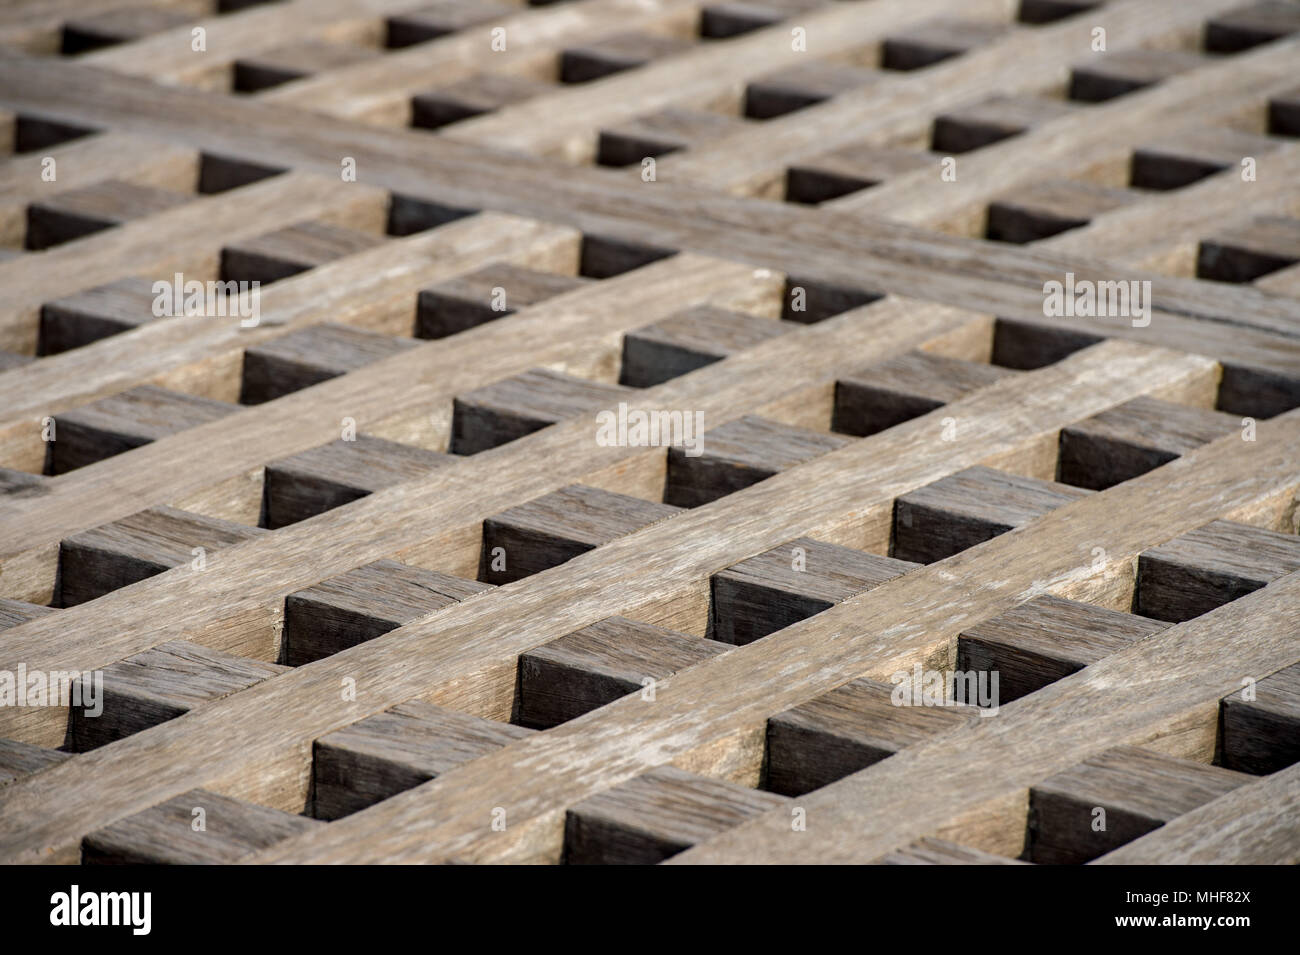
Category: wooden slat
[682,706]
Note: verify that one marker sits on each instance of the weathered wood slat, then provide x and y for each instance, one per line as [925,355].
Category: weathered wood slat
[637,426]
[1078,382]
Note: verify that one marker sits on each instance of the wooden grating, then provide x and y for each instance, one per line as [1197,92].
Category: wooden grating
[356,568]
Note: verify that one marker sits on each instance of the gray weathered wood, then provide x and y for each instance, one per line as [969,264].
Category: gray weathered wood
[993,120]
[942,852]
[473,96]
[1251,25]
[1046,639]
[505,410]
[122,25]
[801,86]
[1132,438]
[1210,566]
[577,673]
[821,300]
[391,752]
[847,729]
[364,604]
[559,526]
[19,759]
[101,560]
[80,212]
[1139,790]
[468,300]
[652,817]
[166,833]
[1245,252]
[1124,71]
[906,387]
[84,317]
[1181,160]
[309,356]
[1050,208]
[719,21]
[293,62]
[688,340]
[293,249]
[128,420]
[1263,735]
[666,131]
[15,612]
[440,19]
[624,51]
[850,169]
[935,41]
[790,583]
[312,482]
[968,508]
[221,173]
[740,453]
[159,685]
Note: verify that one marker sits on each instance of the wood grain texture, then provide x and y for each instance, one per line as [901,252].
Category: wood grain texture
[1132,438]
[470,300]
[167,834]
[159,685]
[507,410]
[439,337]
[738,454]
[392,752]
[309,356]
[105,558]
[905,387]
[814,744]
[1137,790]
[1252,824]
[786,584]
[653,817]
[1046,639]
[941,519]
[1212,565]
[581,671]
[556,528]
[688,340]
[1259,735]
[364,604]
[312,482]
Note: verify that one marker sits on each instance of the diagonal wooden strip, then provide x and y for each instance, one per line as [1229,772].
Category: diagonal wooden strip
[900,108]
[375,289]
[420,382]
[380,91]
[904,621]
[465,655]
[169,57]
[186,239]
[1132,696]
[84,161]
[1253,825]
[1222,93]
[35,25]
[838,249]
[796,372]
[565,123]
